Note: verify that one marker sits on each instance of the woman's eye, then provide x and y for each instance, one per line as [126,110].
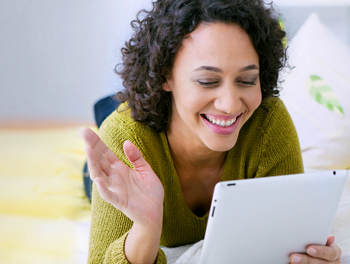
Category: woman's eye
[247,83]
[208,83]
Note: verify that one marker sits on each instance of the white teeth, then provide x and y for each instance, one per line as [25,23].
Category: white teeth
[222,123]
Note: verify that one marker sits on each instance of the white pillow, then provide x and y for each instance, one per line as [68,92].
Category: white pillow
[317,96]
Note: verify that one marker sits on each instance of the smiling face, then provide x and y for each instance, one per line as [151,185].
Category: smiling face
[215,87]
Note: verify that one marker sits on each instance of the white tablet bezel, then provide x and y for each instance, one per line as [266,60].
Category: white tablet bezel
[264,220]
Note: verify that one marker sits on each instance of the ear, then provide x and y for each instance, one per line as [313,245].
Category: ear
[166,86]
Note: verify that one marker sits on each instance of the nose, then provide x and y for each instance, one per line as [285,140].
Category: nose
[228,99]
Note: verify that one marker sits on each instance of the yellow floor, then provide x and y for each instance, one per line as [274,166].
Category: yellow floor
[44,215]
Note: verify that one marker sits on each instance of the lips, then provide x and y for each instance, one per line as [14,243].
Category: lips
[222,129]
[220,122]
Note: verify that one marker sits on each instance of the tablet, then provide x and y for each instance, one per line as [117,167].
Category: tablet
[264,220]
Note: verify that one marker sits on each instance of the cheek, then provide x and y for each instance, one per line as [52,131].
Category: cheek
[255,99]
[188,98]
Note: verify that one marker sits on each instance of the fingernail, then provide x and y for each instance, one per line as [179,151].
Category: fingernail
[312,251]
[296,259]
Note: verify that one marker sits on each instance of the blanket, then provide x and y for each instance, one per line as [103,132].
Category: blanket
[44,214]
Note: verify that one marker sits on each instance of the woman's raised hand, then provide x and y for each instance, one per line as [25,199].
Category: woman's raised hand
[138,192]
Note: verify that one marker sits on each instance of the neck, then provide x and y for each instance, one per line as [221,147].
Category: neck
[190,159]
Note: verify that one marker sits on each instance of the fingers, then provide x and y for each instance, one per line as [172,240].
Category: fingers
[305,259]
[104,192]
[89,136]
[92,140]
[135,157]
[330,252]
[92,163]
[99,156]
[330,240]
[319,254]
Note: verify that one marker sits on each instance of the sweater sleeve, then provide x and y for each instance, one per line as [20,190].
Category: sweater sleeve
[281,154]
[109,226]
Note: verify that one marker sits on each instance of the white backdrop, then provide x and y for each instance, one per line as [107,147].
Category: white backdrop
[57,57]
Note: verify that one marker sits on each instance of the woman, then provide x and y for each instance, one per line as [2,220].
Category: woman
[200,106]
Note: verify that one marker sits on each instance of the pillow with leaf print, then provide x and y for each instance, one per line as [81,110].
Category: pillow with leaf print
[317,95]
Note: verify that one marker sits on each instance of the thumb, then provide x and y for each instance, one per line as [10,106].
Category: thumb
[135,157]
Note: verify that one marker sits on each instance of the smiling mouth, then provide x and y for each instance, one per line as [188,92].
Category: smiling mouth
[221,123]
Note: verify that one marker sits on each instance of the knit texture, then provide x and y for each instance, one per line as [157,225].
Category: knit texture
[267,146]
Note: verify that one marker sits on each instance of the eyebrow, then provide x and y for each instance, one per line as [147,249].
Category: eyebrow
[249,67]
[209,68]
[215,69]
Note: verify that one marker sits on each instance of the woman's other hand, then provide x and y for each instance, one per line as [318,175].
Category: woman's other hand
[138,192]
[330,253]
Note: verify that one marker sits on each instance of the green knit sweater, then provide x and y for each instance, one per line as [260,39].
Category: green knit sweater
[267,146]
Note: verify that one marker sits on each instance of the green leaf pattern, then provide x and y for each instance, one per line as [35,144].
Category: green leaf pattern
[323,94]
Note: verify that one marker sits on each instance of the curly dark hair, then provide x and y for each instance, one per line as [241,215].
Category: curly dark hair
[148,57]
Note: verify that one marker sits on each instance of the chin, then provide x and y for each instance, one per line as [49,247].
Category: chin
[221,145]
